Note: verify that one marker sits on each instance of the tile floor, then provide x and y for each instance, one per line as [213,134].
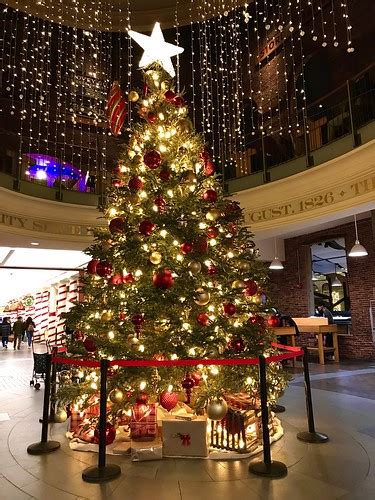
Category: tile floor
[344,468]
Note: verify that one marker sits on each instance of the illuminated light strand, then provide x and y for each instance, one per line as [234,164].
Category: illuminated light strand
[192,49]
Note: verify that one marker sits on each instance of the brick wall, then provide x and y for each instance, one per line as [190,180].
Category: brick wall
[291,290]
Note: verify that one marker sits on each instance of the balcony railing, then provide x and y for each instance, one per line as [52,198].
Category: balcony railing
[341,113]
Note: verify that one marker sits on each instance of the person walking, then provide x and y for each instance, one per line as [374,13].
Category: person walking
[5,332]
[18,331]
[29,329]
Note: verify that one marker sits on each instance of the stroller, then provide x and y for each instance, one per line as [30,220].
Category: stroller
[39,368]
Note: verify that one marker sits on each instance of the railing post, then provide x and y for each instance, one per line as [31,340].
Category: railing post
[52,410]
[267,467]
[45,446]
[355,136]
[266,177]
[310,436]
[102,472]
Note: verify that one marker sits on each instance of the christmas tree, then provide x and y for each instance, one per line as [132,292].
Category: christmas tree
[173,276]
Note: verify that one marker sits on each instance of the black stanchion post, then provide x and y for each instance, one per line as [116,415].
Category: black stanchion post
[102,472]
[310,436]
[52,408]
[267,467]
[45,446]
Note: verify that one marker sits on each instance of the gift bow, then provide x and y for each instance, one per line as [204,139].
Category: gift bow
[185,439]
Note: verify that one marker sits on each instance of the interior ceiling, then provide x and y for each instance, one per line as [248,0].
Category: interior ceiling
[16,283]
[112,14]
[329,256]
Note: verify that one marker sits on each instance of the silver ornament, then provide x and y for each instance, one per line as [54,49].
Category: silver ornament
[217,409]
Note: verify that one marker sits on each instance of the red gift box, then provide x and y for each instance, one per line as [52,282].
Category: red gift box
[76,420]
[143,426]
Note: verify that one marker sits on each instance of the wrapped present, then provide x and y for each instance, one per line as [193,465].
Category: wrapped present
[76,420]
[143,426]
[141,452]
[85,432]
[185,438]
[242,401]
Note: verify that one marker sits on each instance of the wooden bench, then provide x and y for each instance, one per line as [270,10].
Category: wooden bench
[319,327]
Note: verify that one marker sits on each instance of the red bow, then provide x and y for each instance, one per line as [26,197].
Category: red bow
[185,439]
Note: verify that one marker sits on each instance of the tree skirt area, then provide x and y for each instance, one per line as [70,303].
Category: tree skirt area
[153,450]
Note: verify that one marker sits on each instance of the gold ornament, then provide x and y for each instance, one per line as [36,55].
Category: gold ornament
[213,214]
[106,245]
[217,409]
[165,85]
[238,284]
[106,316]
[138,159]
[133,342]
[60,416]
[244,265]
[195,267]
[202,297]
[189,177]
[116,396]
[256,299]
[65,377]
[133,96]
[184,125]
[155,258]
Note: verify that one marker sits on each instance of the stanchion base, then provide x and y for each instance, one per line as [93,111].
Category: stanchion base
[278,408]
[41,448]
[274,469]
[312,437]
[101,474]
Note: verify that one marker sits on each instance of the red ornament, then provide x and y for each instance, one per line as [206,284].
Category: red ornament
[146,227]
[169,96]
[251,288]
[128,278]
[210,195]
[188,383]
[165,175]
[256,320]
[212,232]
[110,434]
[237,344]
[135,184]
[116,279]
[142,398]
[163,279]
[117,183]
[201,245]
[209,168]
[117,225]
[233,207]
[160,203]
[203,319]
[91,266]
[205,156]
[122,316]
[152,159]
[273,321]
[229,308]
[212,269]
[151,117]
[232,228]
[89,344]
[186,248]
[196,376]
[138,319]
[178,101]
[168,400]
[104,269]
[116,109]
[78,335]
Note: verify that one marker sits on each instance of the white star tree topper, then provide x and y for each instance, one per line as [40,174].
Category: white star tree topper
[156,49]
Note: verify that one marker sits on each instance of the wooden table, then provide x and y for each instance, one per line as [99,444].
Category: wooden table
[320,331]
[287,331]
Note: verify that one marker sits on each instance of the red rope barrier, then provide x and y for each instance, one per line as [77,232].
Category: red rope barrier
[293,353]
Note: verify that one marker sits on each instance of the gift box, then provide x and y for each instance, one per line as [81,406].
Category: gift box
[143,426]
[242,401]
[85,432]
[141,452]
[76,420]
[185,438]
